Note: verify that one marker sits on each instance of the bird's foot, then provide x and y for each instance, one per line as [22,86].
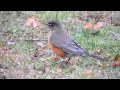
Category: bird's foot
[62,60]
[65,61]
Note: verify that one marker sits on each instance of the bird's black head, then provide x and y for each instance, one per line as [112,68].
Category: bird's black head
[54,25]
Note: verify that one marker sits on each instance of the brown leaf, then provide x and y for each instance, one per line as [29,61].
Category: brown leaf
[56,70]
[102,16]
[98,51]
[98,25]
[117,57]
[56,58]
[32,21]
[105,65]
[102,64]
[87,25]
[117,60]
[4,51]
[87,72]
[43,47]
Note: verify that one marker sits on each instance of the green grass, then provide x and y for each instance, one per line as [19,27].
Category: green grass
[21,58]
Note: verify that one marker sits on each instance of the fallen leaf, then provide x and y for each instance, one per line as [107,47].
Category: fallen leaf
[56,70]
[102,16]
[44,47]
[102,64]
[117,57]
[98,25]
[4,51]
[29,21]
[105,65]
[98,51]
[87,72]
[56,58]
[117,60]
[32,21]
[87,25]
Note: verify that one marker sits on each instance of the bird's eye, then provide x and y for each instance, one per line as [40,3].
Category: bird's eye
[51,25]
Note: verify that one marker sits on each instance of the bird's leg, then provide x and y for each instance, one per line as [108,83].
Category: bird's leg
[63,60]
[69,59]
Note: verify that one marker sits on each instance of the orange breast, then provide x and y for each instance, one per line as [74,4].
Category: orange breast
[56,50]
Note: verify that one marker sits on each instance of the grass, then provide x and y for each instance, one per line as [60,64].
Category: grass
[20,60]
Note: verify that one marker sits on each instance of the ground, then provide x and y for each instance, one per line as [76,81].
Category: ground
[25,52]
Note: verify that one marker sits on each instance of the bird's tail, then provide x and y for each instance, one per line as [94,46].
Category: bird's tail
[86,53]
[97,57]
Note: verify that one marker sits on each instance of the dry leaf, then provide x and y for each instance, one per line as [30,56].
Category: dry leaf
[98,25]
[43,47]
[105,65]
[117,60]
[87,72]
[32,21]
[4,51]
[117,57]
[102,16]
[102,64]
[98,51]
[56,58]
[57,70]
[87,25]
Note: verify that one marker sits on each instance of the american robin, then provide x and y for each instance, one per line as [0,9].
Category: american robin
[63,44]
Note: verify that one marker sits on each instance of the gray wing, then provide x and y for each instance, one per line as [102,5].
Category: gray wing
[69,46]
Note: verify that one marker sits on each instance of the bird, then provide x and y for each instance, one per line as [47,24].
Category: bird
[62,44]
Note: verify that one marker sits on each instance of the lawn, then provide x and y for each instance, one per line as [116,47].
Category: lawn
[25,52]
